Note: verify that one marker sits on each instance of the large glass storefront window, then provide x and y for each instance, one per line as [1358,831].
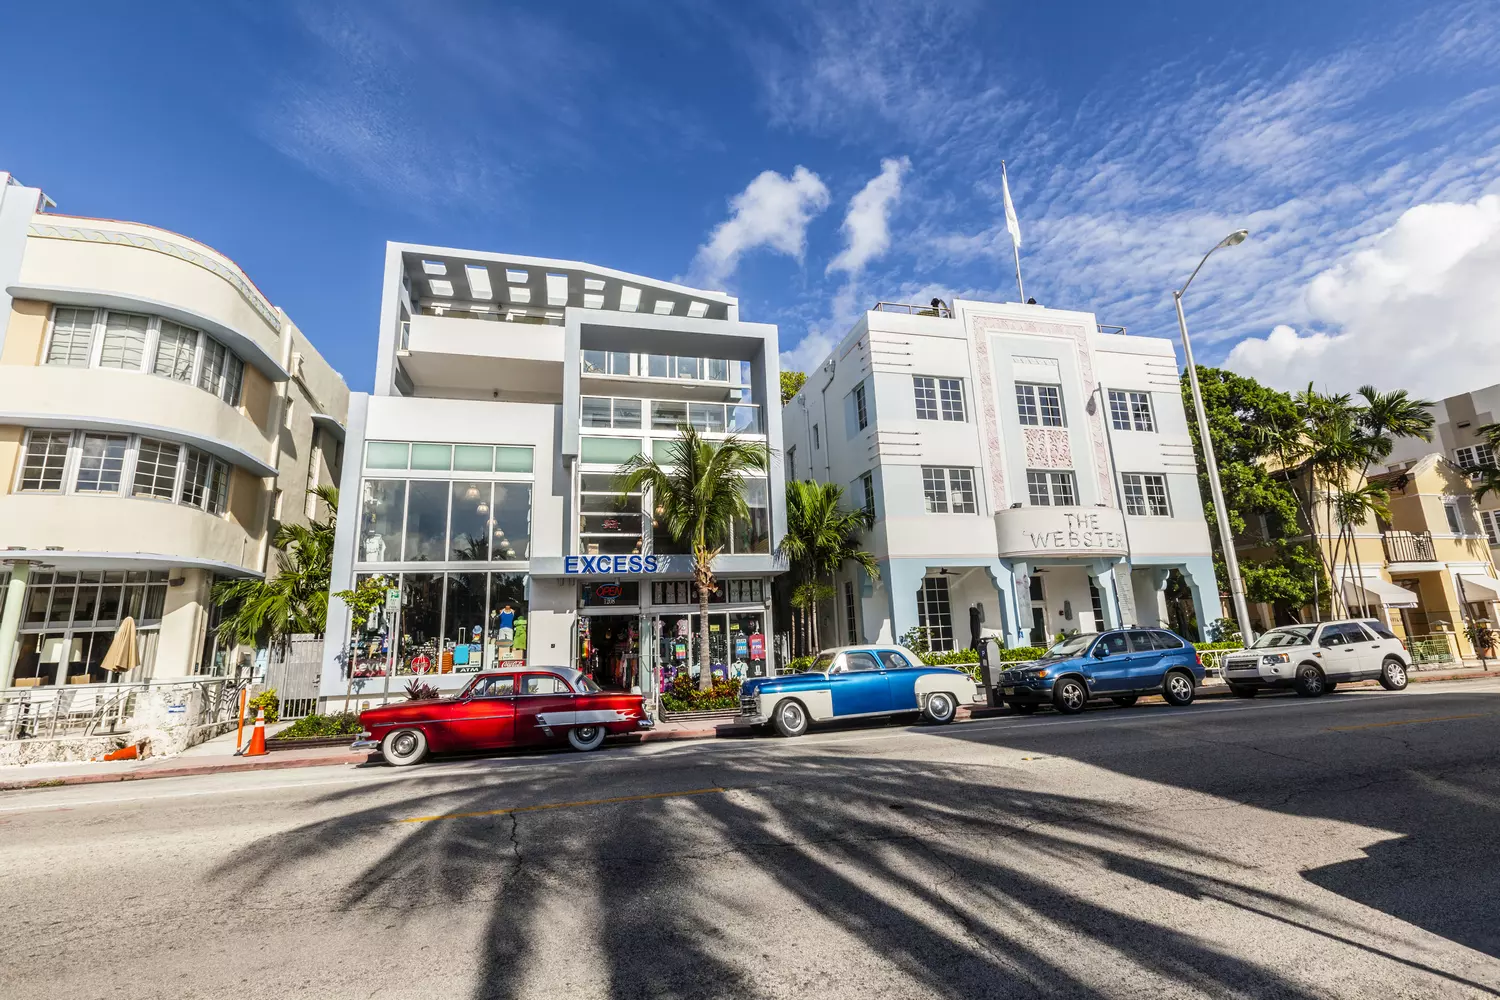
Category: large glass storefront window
[609,522]
[449,623]
[432,520]
[70,618]
[736,645]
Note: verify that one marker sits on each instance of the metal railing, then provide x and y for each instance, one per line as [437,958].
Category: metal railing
[1408,546]
[1431,650]
[1109,328]
[106,709]
[1213,660]
[911,309]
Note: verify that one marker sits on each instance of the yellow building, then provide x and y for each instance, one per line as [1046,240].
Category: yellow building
[1426,570]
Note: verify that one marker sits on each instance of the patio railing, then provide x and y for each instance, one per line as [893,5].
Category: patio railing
[1431,650]
[106,709]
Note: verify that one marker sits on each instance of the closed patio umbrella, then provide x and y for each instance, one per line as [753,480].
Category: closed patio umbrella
[122,656]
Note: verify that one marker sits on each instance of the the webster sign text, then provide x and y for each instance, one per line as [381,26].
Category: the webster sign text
[1068,530]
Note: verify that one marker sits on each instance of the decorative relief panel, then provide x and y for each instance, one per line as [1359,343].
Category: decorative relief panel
[1047,448]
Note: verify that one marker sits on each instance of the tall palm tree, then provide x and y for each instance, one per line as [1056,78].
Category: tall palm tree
[700,493]
[821,536]
[295,599]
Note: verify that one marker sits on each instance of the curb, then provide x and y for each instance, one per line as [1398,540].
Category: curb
[146,774]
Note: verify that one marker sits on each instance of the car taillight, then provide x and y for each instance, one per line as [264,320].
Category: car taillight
[1198,656]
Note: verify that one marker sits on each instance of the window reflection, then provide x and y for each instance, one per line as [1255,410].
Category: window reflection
[469,525]
[382,514]
[426,520]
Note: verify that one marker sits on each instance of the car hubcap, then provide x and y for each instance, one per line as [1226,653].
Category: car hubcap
[1179,687]
[940,707]
[1314,683]
[1398,674]
[586,734]
[1072,696]
[405,744]
[792,716]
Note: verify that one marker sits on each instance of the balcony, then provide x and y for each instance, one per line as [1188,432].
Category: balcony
[1408,547]
[629,413]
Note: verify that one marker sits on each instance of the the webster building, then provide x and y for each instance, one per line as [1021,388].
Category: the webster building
[159,418]
[1015,457]
[481,475]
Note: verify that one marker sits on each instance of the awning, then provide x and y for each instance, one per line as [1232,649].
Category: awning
[1373,590]
[1480,588]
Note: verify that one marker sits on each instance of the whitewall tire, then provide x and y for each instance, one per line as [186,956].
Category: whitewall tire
[791,718]
[586,737]
[940,708]
[403,746]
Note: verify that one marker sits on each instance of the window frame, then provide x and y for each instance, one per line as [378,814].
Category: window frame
[1131,410]
[1140,496]
[948,478]
[64,472]
[1029,397]
[935,612]
[861,405]
[1053,478]
[925,397]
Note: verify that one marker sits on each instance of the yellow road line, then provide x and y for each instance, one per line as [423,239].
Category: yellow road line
[1406,722]
[565,805]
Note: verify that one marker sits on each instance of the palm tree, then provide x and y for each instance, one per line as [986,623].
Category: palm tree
[1353,507]
[295,599]
[821,536]
[700,493]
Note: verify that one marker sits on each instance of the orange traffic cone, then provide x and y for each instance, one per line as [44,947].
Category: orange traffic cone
[257,747]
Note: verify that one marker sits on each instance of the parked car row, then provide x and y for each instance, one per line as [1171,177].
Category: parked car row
[536,706]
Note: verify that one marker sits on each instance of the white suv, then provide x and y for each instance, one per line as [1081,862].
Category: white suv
[1314,658]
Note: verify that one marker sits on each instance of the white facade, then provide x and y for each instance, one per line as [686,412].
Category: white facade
[954,426]
[154,408]
[481,475]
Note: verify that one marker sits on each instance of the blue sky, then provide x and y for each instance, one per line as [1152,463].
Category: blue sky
[815,157]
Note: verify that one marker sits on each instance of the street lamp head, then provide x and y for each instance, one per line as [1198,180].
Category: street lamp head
[1234,239]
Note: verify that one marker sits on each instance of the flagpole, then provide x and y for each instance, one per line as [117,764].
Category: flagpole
[1014,228]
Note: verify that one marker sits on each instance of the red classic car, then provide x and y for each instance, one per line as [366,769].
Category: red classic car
[516,707]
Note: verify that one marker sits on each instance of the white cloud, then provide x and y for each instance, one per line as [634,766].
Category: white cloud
[773,211]
[867,231]
[1419,308]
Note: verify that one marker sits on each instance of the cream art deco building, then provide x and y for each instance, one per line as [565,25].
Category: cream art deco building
[158,418]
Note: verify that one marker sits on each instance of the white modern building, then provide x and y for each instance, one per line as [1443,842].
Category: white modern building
[159,418]
[481,475]
[1015,457]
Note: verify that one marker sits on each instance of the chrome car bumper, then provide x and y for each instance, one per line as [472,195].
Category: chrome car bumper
[365,745]
[646,722]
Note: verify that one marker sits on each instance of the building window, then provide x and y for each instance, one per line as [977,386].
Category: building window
[156,469]
[176,352]
[1475,457]
[609,363]
[791,464]
[861,414]
[940,398]
[934,613]
[101,461]
[205,482]
[816,442]
[625,414]
[72,337]
[124,341]
[754,535]
[1490,521]
[1130,411]
[1097,600]
[1146,494]
[1039,405]
[867,486]
[1455,518]
[609,521]
[46,457]
[1051,489]
[851,624]
[949,491]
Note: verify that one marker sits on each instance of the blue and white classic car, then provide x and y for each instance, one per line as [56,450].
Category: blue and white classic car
[854,682]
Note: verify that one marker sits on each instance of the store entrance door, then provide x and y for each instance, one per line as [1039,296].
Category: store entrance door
[608,648]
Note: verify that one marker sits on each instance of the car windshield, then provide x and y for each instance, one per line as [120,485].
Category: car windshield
[1296,635]
[1073,645]
[823,662]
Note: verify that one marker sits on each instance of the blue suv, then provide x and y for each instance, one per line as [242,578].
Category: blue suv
[1121,666]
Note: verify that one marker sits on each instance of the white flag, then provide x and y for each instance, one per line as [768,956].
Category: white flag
[1012,224]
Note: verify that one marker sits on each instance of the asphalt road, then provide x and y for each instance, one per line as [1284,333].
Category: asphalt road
[1339,847]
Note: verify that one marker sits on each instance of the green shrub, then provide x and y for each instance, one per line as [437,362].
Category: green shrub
[1020,653]
[1202,646]
[799,665]
[267,700]
[682,695]
[312,726]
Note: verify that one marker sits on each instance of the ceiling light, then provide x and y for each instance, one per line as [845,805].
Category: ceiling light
[557,289]
[434,267]
[664,307]
[479,281]
[441,286]
[593,284]
[515,277]
[593,300]
[697,310]
[472,493]
[520,295]
[483,508]
[630,298]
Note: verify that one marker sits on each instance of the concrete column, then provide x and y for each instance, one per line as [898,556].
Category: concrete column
[1020,572]
[10,619]
[1103,575]
[1198,573]
[902,578]
[1014,622]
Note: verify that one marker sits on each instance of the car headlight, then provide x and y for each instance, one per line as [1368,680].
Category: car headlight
[1041,673]
[1270,658]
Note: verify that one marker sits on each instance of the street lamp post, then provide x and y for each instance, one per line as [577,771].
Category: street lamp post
[1221,512]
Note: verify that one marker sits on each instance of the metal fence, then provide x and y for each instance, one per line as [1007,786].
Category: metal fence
[1213,660]
[1431,650]
[294,672]
[107,709]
